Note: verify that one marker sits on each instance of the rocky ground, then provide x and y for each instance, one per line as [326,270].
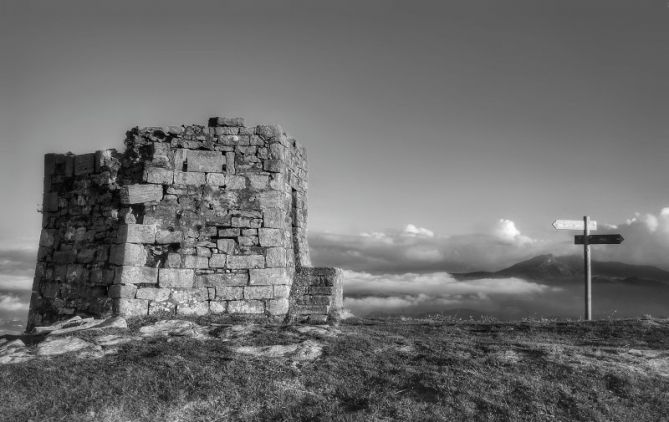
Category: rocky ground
[88,338]
[203,369]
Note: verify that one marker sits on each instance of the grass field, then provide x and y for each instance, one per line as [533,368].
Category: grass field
[389,369]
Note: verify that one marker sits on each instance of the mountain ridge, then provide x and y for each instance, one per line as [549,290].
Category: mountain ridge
[571,268]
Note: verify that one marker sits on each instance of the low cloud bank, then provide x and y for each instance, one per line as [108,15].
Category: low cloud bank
[13,311]
[15,282]
[411,293]
[11,304]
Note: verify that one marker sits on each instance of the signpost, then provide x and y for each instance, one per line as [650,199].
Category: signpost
[586,239]
[573,225]
[599,239]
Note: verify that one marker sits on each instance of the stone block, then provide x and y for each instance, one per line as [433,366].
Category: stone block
[200,308]
[159,176]
[167,236]
[176,278]
[153,293]
[195,261]
[272,199]
[137,233]
[203,251]
[64,257]
[269,131]
[274,218]
[281,290]
[50,161]
[230,162]
[228,121]
[216,307]
[122,291]
[229,232]
[229,293]
[225,279]
[275,257]
[216,179]
[137,194]
[129,254]
[162,307]
[86,256]
[258,180]
[136,275]
[238,221]
[235,182]
[248,241]
[274,166]
[189,178]
[270,237]
[179,158]
[173,260]
[77,273]
[277,306]
[217,260]
[317,299]
[205,161]
[266,276]
[131,307]
[84,164]
[314,309]
[50,202]
[47,238]
[69,166]
[246,307]
[175,130]
[236,262]
[318,319]
[320,290]
[226,246]
[278,182]
[258,292]
[181,297]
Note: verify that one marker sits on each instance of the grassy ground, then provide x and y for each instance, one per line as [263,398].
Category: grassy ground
[375,370]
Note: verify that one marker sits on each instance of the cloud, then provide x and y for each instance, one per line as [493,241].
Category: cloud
[411,293]
[18,261]
[646,240]
[418,249]
[11,304]
[506,231]
[433,284]
[13,282]
[413,231]
[17,267]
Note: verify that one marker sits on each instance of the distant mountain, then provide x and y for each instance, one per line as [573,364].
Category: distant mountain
[570,268]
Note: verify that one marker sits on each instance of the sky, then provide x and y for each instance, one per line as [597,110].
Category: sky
[477,122]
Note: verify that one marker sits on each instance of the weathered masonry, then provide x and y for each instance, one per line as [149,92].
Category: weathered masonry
[188,220]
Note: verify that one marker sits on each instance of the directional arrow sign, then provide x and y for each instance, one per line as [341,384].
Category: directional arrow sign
[600,239]
[573,225]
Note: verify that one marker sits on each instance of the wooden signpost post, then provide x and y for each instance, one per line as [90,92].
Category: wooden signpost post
[586,239]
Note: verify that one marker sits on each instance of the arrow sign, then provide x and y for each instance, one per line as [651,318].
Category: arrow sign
[573,225]
[599,239]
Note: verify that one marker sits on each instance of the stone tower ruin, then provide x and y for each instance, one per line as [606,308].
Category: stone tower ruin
[188,220]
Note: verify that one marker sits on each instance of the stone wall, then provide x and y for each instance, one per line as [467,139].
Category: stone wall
[188,220]
[316,295]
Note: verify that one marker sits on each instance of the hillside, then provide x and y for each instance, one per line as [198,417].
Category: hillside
[394,369]
[570,268]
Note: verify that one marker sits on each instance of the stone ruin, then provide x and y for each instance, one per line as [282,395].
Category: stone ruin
[188,220]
